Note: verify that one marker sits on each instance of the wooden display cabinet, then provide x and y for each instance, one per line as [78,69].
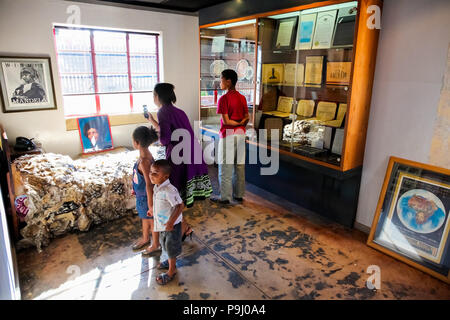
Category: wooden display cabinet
[324,181]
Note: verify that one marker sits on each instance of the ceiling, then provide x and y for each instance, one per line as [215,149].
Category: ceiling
[178,5]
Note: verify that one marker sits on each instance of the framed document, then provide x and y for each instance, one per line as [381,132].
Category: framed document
[338,142]
[285,104]
[26,84]
[338,73]
[345,27]
[324,29]
[218,44]
[305,109]
[313,71]
[273,73]
[325,111]
[411,221]
[293,74]
[285,35]
[305,31]
[339,118]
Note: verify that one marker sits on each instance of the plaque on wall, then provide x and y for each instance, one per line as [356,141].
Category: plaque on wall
[218,44]
[272,73]
[345,27]
[291,71]
[338,73]
[313,71]
[324,29]
[305,31]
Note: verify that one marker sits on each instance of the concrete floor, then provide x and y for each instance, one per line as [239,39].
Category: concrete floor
[264,248]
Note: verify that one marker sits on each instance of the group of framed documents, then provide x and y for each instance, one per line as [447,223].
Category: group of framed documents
[291,74]
[321,30]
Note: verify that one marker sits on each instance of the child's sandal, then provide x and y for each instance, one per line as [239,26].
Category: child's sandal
[163,265]
[164,278]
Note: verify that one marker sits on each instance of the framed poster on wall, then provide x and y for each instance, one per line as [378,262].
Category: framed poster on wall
[411,221]
[26,84]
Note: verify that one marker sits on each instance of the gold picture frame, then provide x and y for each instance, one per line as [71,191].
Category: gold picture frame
[412,220]
[273,73]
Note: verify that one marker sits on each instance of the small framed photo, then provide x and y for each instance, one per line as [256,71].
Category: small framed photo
[95,133]
[411,221]
[285,35]
[26,84]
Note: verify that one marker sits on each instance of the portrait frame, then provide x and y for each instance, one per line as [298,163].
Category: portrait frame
[412,220]
[102,125]
[35,93]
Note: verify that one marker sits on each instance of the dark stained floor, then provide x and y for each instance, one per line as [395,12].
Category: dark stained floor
[264,248]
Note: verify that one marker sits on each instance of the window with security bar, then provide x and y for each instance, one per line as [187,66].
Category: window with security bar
[106,71]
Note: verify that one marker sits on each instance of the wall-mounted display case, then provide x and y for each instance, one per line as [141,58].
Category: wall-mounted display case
[306,72]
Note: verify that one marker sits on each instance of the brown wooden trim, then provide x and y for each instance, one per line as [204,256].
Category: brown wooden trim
[275,12]
[371,243]
[362,81]
[115,120]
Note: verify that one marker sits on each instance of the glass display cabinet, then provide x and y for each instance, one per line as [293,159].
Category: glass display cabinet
[226,46]
[298,71]
[313,70]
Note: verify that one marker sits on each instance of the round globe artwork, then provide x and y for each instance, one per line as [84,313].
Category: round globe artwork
[421,211]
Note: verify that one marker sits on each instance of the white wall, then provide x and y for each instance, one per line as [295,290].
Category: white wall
[411,61]
[26,28]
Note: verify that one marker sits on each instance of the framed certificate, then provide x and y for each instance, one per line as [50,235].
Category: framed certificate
[338,73]
[285,35]
[411,221]
[345,27]
[293,74]
[273,73]
[313,71]
[324,29]
[305,31]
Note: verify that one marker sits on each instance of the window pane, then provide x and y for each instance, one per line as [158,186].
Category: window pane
[141,98]
[77,84]
[79,105]
[107,63]
[110,41]
[140,43]
[74,62]
[143,64]
[115,103]
[72,39]
[113,83]
[143,82]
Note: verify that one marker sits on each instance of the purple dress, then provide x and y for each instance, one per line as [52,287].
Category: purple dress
[191,179]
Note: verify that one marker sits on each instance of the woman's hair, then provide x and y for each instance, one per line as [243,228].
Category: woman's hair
[165,93]
[145,136]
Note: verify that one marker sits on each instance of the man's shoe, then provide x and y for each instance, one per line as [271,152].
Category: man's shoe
[219,200]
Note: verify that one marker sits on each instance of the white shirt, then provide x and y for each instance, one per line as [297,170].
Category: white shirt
[165,198]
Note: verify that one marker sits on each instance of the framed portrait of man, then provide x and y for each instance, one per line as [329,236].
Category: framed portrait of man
[26,84]
[95,133]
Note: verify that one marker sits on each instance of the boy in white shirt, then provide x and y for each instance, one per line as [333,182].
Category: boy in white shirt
[167,214]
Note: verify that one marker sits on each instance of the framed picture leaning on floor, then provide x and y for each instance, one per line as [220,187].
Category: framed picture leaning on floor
[411,221]
[26,84]
[95,133]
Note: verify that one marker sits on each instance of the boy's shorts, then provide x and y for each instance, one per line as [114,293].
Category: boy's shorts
[171,241]
[142,207]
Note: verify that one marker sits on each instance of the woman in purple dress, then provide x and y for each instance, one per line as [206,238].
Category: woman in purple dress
[190,176]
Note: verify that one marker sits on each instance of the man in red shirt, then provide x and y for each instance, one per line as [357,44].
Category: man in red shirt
[232,106]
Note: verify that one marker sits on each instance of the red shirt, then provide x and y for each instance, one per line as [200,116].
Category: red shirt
[235,105]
